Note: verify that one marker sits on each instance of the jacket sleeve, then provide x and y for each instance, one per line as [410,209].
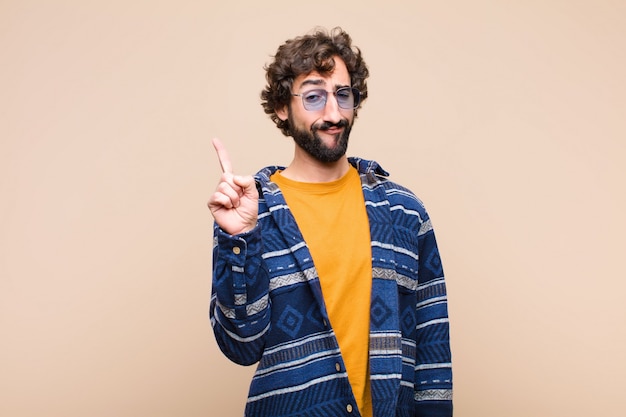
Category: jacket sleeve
[433,371]
[240,307]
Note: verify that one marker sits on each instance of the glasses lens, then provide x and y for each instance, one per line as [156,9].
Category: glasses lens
[347,97]
[314,99]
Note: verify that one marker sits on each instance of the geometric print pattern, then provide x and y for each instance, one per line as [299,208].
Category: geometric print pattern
[300,368]
[290,321]
[434,395]
[379,312]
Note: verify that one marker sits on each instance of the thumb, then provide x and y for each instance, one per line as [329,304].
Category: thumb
[247,182]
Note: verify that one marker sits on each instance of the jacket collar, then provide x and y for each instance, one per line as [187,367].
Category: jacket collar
[363,166]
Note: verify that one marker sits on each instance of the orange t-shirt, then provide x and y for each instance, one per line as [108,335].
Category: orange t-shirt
[334,223]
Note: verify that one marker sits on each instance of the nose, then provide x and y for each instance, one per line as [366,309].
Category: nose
[332,111]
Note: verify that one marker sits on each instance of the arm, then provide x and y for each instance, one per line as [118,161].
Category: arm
[239,308]
[433,373]
[240,311]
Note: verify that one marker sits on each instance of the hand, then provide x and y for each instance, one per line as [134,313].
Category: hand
[234,205]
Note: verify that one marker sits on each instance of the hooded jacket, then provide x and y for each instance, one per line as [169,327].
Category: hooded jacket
[267,307]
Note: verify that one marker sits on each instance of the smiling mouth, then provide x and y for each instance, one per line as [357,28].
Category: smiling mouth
[333,130]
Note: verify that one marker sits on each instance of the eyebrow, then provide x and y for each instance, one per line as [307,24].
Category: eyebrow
[313,81]
[318,82]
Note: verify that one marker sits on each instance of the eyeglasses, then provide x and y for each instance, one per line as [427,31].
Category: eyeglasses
[314,100]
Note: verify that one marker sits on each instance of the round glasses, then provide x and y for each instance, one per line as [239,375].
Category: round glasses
[314,100]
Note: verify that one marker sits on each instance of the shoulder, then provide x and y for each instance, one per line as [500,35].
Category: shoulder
[375,178]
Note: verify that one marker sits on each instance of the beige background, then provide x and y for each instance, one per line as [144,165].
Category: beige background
[506,118]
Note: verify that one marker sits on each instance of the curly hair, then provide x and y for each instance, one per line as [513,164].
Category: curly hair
[303,55]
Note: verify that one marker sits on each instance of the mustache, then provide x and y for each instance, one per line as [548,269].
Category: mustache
[328,125]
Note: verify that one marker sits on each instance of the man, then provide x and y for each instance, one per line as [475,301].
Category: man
[325,272]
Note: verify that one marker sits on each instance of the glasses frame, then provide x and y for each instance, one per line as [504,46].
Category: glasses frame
[356,94]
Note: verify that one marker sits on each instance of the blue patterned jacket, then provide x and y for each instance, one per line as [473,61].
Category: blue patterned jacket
[267,307]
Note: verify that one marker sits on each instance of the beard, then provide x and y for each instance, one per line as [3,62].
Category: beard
[312,143]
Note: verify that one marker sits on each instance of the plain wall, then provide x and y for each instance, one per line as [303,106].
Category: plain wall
[508,119]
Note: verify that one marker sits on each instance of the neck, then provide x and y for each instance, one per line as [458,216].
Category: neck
[307,169]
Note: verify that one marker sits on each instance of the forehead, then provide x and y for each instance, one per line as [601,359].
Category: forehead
[338,77]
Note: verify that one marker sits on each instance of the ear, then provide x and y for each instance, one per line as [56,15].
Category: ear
[282,113]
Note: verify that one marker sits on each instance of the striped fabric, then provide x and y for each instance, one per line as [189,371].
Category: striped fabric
[267,307]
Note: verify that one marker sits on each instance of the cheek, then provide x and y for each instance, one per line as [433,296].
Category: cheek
[308,121]
[349,116]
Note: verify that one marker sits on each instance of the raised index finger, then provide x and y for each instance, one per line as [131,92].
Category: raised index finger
[222,156]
